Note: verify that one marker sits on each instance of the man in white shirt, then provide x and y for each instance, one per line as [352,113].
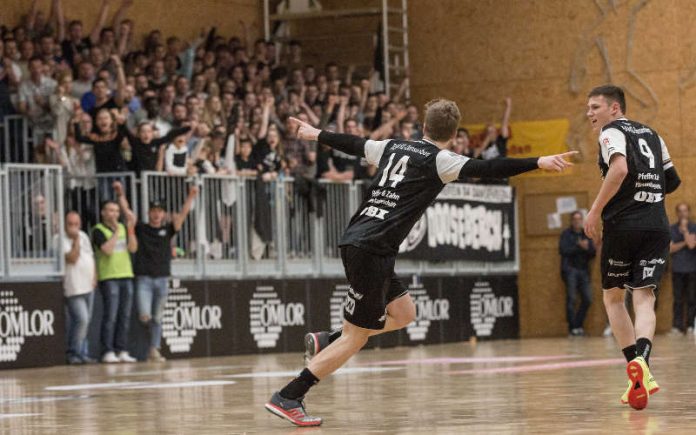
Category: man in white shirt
[79,283]
[34,93]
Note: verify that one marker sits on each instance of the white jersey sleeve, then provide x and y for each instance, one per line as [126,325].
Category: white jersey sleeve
[374,150]
[612,141]
[666,159]
[449,165]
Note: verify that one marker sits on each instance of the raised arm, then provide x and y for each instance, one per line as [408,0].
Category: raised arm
[120,80]
[505,124]
[121,197]
[31,18]
[118,16]
[178,219]
[341,115]
[99,25]
[265,117]
[60,20]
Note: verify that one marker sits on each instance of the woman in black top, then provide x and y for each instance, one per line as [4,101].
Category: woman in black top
[110,130]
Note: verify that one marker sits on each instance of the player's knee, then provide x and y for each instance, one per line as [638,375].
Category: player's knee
[407,314]
[355,337]
[612,297]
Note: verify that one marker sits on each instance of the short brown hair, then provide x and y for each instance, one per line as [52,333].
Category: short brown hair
[441,119]
[611,93]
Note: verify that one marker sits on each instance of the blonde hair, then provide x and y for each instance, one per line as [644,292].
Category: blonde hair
[441,119]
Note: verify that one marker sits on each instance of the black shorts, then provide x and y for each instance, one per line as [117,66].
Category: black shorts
[373,285]
[633,259]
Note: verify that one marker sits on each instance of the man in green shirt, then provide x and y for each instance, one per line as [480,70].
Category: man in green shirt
[114,243]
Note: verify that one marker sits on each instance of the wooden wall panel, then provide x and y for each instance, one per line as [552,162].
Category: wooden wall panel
[183,18]
[547,55]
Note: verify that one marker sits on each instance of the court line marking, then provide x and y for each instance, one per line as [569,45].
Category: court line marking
[541,367]
[3,416]
[188,384]
[287,373]
[23,400]
[138,385]
[472,360]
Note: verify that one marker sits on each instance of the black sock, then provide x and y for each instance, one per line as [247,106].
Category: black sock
[629,352]
[299,386]
[333,335]
[643,348]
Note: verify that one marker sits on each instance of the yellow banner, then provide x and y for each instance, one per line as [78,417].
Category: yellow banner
[530,139]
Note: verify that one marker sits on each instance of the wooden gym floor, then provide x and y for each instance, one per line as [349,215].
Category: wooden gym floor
[516,386]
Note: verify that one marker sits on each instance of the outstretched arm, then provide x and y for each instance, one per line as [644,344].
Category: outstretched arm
[507,167]
[346,143]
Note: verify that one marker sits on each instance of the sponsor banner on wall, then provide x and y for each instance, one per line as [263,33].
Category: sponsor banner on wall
[189,320]
[434,318]
[32,329]
[458,326]
[271,315]
[493,306]
[466,222]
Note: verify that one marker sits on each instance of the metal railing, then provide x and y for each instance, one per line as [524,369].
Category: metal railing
[237,227]
[16,139]
[33,220]
[85,194]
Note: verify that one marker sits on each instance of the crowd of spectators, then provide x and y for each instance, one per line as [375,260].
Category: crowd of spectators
[218,104]
[99,100]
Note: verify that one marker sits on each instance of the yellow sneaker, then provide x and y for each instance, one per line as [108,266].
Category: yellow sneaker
[639,379]
[652,389]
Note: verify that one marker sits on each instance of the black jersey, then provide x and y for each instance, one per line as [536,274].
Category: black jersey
[639,203]
[410,175]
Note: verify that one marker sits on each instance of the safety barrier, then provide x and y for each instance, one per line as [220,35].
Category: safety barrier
[238,227]
[32,220]
[86,194]
[16,139]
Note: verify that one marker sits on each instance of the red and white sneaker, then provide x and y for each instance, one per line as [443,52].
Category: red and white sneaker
[291,410]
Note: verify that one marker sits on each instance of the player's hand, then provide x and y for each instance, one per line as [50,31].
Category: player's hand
[592,226]
[556,162]
[303,130]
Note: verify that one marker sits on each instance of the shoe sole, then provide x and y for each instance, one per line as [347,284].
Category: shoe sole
[651,392]
[279,412]
[638,394]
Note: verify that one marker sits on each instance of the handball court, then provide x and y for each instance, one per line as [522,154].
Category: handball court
[515,386]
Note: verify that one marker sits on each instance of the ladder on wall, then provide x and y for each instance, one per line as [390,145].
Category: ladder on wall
[393,16]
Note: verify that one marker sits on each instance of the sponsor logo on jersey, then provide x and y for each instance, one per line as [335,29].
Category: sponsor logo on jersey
[618,263]
[337,305]
[652,261]
[373,211]
[648,271]
[415,236]
[617,274]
